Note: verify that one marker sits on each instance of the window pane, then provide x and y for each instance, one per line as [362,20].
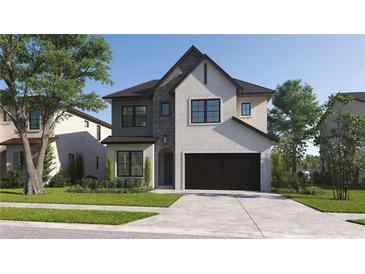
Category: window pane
[213,105]
[213,116]
[197,117]
[137,163]
[165,109]
[245,109]
[34,120]
[197,105]
[127,117]
[123,164]
[141,116]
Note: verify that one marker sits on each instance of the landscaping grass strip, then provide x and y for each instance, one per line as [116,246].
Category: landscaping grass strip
[324,202]
[358,221]
[60,196]
[72,216]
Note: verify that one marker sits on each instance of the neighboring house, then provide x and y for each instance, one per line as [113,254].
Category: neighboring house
[79,133]
[201,128]
[357,106]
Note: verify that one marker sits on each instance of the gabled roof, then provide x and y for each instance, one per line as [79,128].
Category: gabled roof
[271,138]
[359,96]
[191,50]
[146,89]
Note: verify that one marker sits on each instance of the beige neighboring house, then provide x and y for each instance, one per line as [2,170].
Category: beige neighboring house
[201,128]
[79,133]
[357,106]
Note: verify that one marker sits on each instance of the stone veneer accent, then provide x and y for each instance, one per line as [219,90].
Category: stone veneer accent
[166,125]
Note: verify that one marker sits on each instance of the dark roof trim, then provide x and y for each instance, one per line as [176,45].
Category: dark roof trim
[271,138]
[223,72]
[186,75]
[128,140]
[206,57]
[88,117]
[32,141]
[260,89]
[191,49]
[144,89]
[236,82]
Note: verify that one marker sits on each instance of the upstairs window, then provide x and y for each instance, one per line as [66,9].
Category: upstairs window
[98,132]
[134,116]
[205,111]
[246,109]
[165,109]
[86,123]
[34,120]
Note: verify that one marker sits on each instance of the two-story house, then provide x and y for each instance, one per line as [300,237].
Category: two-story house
[79,133]
[356,106]
[201,128]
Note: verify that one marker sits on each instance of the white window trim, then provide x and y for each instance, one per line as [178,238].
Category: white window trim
[204,98]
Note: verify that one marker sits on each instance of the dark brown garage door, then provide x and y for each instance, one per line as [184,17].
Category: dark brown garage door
[229,171]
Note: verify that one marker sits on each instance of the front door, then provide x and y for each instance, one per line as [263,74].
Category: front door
[168,178]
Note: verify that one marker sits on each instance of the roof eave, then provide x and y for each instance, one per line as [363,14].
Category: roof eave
[271,138]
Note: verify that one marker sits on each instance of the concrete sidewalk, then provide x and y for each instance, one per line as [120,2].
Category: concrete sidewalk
[85,207]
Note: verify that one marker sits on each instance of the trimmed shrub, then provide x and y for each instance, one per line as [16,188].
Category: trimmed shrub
[91,183]
[79,166]
[13,179]
[71,172]
[148,172]
[76,169]
[61,179]
[290,180]
[109,170]
[277,169]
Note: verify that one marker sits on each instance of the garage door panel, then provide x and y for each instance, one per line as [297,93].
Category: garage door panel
[238,171]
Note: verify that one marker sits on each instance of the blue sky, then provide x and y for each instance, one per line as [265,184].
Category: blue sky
[329,63]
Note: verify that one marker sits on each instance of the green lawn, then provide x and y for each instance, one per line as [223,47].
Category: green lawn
[59,196]
[325,202]
[71,216]
[360,221]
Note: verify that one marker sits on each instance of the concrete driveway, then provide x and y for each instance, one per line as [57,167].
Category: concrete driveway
[222,214]
[244,214]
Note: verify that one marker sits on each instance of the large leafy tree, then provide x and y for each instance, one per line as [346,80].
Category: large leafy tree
[47,73]
[342,141]
[293,118]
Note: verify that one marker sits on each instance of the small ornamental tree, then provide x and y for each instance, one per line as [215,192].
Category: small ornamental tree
[109,170]
[148,172]
[47,73]
[48,164]
[341,145]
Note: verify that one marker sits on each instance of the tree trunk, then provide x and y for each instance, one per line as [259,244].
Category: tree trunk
[33,184]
